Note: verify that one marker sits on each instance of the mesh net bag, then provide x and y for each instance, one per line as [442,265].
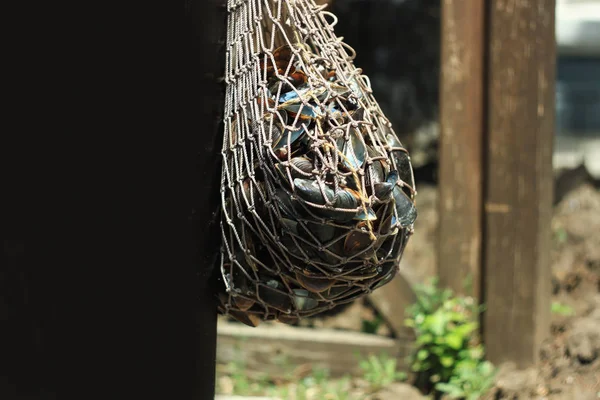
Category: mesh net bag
[317,191]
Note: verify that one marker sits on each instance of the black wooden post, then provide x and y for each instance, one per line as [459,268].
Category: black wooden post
[99,297]
[208,26]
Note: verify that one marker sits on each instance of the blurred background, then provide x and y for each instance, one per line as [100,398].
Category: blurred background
[358,351]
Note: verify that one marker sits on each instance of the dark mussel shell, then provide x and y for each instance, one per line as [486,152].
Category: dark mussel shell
[388,273]
[299,167]
[357,241]
[405,208]
[242,302]
[313,283]
[365,214]
[245,317]
[289,319]
[383,190]
[353,150]
[274,294]
[309,190]
[401,159]
[303,301]
[283,57]
[289,207]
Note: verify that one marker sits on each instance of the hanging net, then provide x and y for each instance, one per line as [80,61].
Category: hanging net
[317,191]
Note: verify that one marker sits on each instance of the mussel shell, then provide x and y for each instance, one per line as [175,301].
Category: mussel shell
[237,281]
[344,293]
[383,190]
[274,130]
[300,167]
[401,159]
[243,303]
[323,232]
[354,150]
[287,319]
[405,171]
[355,242]
[391,247]
[361,274]
[314,284]
[366,214]
[389,274]
[290,137]
[289,225]
[273,294]
[287,206]
[303,300]
[375,173]
[405,208]
[310,191]
[250,319]
[292,248]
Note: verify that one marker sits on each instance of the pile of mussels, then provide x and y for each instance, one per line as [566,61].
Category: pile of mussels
[324,212]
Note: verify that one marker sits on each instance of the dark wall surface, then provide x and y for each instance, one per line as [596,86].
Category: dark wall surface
[397,44]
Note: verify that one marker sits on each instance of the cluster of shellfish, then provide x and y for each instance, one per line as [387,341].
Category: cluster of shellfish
[319,194]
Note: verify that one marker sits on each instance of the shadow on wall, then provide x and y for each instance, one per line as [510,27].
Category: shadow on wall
[398,46]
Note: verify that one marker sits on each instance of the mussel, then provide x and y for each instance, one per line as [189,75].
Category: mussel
[310,191]
[405,208]
[313,283]
[273,293]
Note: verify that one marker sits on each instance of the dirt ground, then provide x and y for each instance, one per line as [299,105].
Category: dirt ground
[570,359]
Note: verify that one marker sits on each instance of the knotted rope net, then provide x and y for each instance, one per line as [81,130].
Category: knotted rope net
[317,191]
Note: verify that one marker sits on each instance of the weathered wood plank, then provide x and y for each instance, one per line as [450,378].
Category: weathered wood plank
[518,178]
[276,349]
[391,301]
[461,124]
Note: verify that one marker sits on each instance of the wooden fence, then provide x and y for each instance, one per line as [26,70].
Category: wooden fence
[497,132]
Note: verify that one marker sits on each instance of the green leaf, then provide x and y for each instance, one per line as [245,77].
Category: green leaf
[416,366]
[451,390]
[446,361]
[425,338]
[422,354]
[438,323]
[455,340]
[466,329]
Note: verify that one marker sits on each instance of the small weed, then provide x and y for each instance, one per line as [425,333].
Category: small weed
[242,384]
[381,370]
[561,235]
[470,381]
[562,309]
[316,385]
[371,326]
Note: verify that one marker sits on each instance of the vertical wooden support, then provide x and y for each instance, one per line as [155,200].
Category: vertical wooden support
[461,121]
[518,178]
[497,131]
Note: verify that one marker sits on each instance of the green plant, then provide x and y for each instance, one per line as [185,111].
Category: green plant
[471,380]
[381,370]
[371,326]
[562,309]
[449,356]
[561,235]
[317,383]
[242,384]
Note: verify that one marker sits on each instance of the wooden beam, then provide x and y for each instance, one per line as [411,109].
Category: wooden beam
[521,54]
[461,121]
[274,349]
